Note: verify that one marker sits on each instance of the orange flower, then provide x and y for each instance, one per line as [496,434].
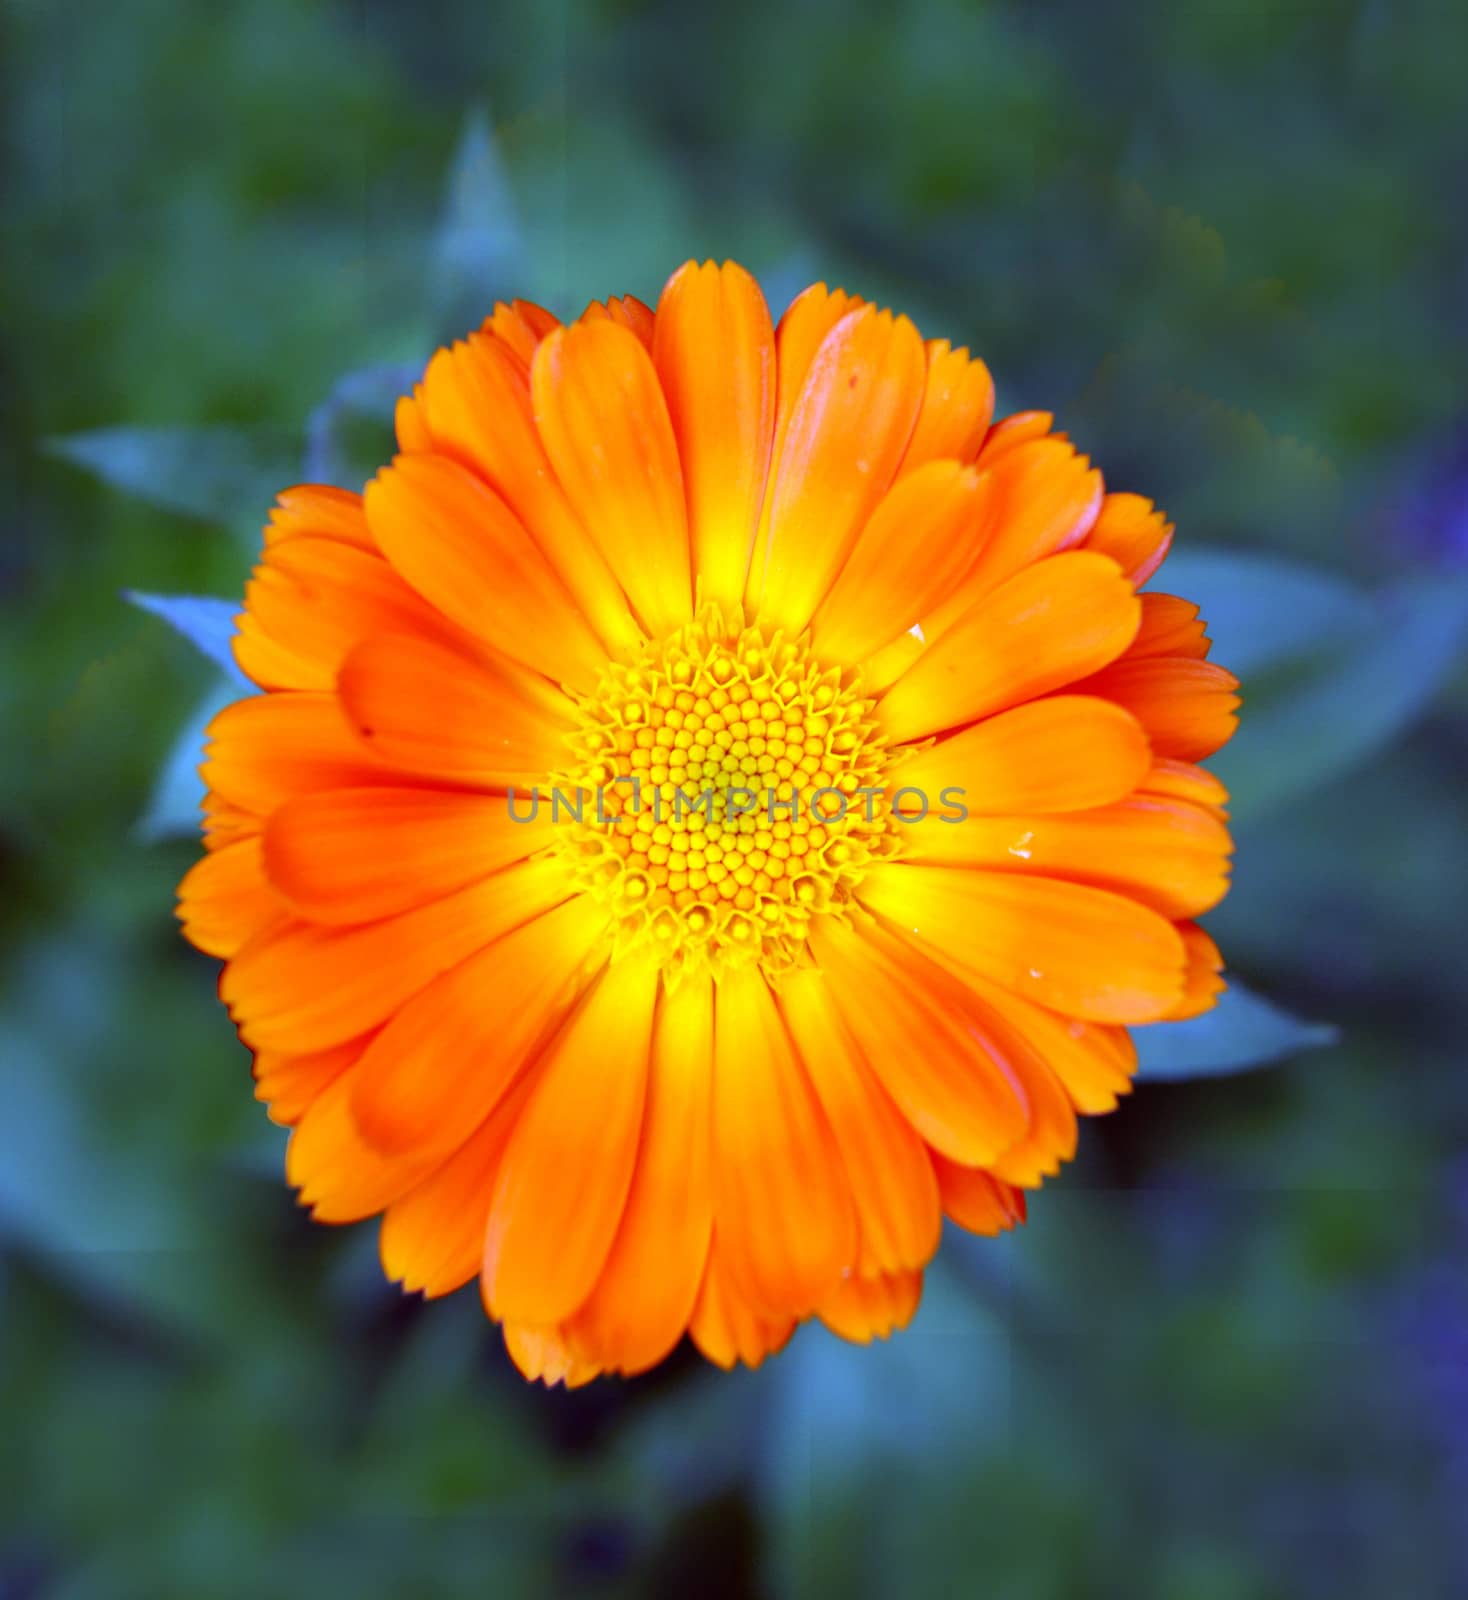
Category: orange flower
[717,806]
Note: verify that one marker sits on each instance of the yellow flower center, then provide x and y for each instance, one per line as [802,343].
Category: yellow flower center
[724,788]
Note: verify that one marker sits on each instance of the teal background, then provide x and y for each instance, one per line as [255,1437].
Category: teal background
[1228,1357]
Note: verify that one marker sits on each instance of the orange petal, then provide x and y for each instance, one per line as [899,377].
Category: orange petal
[1046,497]
[225,823]
[436,712]
[1094,1061]
[862,1309]
[1008,432]
[299,987]
[224,899]
[957,404]
[922,1039]
[433,1236]
[1204,982]
[461,547]
[340,1177]
[1064,753]
[886,1162]
[412,1090]
[1187,707]
[645,1295]
[809,317]
[476,404]
[544,1355]
[410,426]
[311,601]
[840,451]
[627,312]
[977,1200]
[715,356]
[1134,533]
[290,1084]
[1184,780]
[782,1202]
[1046,627]
[548,1238]
[920,540]
[605,426]
[1051,1136]
[319,510]
[1168,854]
[1080,950]
[521,325]
[1170,627]
[727,1328]
[354,855]
[262,750]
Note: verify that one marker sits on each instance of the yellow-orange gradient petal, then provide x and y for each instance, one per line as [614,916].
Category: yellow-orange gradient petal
[1133,532]
[977,1200]
[543,1355]
[1065,753]
[1188,707]
[605,426]
[1170,627]
[628,312]
[461,547]
[311,601]
[1204,982]
[958,402]
[1014,430]
[521,325]
[923,1041]
[548,1237]
[726,1328]
[261,751]
[355,855]
[493,723]
[1077,949]
[1167,854]
[411,1092]
[1044,628]
[782,1200]
[841,449]
[920,540]
[1185,780]
[714,350]
[1095,1061]
[1046,497]
[645,1295]
[320,511]
[476,408]
[432,1238]
[302,986]
[862,1309]
[891,1178]
[224,899]
[289,1084]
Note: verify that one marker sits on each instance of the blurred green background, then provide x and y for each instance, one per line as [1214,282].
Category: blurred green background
[1228,1357]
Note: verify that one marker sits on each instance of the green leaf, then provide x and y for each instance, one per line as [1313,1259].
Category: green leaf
[1263,611]
[225,475]
[478,252]
[205,621]
[173,809]
[1306,733]
[1243,1030]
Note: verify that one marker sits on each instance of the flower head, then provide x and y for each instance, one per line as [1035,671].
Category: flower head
[718,804]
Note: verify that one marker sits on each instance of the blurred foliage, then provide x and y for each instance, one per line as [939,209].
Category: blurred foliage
[1227,1357]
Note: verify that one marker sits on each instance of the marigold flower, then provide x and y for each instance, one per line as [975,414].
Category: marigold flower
[718,804]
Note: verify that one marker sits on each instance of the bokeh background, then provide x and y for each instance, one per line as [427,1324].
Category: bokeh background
[1228,1357]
